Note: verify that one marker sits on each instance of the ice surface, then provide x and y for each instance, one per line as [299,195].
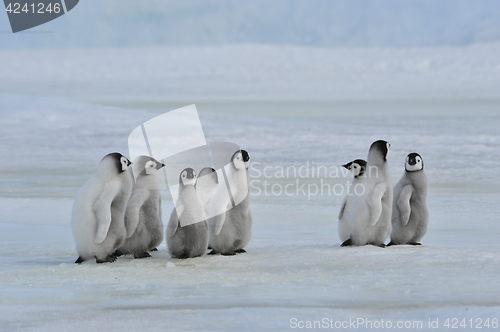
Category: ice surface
[294,266]
[253,72]
[388,23]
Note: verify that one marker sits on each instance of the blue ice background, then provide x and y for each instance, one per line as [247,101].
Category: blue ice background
[324,23]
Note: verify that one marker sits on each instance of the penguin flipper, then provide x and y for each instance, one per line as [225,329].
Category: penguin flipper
[179,210]
[207,182]
[173,224]
[404,204]
[342,209]
[102,210]
[221,203]
[217,222]
[133,208]
[375,203]
[160,213]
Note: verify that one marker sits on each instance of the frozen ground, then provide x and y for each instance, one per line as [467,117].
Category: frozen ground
[288,106]
[253,72]
[294,267]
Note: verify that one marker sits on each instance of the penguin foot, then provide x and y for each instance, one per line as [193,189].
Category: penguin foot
[213,252]
[390,244]
[142,255]
[346,243]
[109,259]
[415,243]
[228,253]
[154,249]
[118,253]
[80,260]
[240,251]
[380,245]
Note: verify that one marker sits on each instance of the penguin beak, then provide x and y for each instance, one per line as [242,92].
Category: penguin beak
[163,165]
[347,166]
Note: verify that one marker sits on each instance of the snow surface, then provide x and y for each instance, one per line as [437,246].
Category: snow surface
[288,106]
[294,267]
[383,23]
[253,72]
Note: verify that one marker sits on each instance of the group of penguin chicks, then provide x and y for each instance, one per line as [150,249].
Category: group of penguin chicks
[118,211]
[373,210]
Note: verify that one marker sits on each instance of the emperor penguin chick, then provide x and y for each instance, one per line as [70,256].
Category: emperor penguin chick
[231,227]
[357,167]
[143,213]
[187,231]
[206,186]
[371,212]
[99,209]
[410,216]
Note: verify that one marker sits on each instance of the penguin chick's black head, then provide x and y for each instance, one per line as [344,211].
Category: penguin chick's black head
[205,171]
[381,146]
[348,165]
[360,163]
[235,154]
[187,174]
[121,162]
[147,165]
[414,162]
[155,164]
[245,155]
[210,173]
